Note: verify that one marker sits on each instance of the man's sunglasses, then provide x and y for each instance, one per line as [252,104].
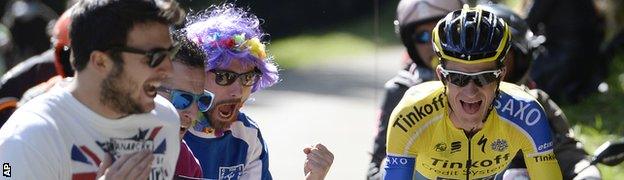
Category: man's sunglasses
[225,77]
[156,56]
[182,99]
[480,79]
[422,37]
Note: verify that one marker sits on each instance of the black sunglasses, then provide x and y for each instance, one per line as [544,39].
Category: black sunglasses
[422,37]
[225,77]
[182,99]
[462,79]
[156,56]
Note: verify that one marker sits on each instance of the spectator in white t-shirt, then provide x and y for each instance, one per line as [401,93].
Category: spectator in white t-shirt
[107,121]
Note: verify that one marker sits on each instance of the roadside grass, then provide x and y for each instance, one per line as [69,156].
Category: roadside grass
[592,138]
[304,50]
[600,117]
[348,39]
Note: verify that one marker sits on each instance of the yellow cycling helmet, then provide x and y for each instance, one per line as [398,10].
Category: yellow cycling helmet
[471,35]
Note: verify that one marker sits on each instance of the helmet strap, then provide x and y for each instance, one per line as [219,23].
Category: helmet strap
[494,99]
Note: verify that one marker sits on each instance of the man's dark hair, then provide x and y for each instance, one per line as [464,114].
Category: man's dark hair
[102,24]
[190,53]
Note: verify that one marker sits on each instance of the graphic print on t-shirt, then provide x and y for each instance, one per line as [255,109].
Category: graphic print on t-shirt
[116,147]
[232,172]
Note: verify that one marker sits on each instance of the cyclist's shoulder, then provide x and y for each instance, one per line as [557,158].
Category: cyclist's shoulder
[424,89]
[514,102]
[421,95]
[517,107]
[421,105]
[516,91]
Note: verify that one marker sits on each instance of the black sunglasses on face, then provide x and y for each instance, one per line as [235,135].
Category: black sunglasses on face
[225,77]
[462,79]
[156,56]
[422,37]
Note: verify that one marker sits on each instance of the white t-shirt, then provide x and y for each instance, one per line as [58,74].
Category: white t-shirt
[54,136]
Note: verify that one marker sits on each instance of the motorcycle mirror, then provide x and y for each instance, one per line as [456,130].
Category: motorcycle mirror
[609,153]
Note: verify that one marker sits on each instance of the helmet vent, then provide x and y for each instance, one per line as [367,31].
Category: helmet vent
[470,38]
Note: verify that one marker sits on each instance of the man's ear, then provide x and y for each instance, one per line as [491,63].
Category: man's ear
[101,62]
[438,72]
[504,74]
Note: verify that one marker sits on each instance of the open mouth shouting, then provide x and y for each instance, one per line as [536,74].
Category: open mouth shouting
[150,88]
[471,107]
[226,111]
[183,129]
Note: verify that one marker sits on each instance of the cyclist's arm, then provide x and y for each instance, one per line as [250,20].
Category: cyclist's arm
[395,169]
[400,158]
[399,162]
[539,155]
[394,93]
[543,166]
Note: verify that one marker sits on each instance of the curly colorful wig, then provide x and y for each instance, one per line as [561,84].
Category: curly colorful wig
[227,33]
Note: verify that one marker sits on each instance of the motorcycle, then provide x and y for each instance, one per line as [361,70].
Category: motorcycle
[610,153]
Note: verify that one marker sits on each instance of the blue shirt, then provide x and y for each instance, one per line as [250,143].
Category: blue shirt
[240,153]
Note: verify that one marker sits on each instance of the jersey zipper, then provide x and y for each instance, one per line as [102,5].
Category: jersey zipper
[469,161]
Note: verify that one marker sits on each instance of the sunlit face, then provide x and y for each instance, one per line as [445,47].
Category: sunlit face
[189,79]
[228,99]
[424,49]
[130,88]
[471,102]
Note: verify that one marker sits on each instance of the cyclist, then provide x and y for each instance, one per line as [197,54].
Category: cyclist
[415,20]
[568,150]
[469,124]
[107,121]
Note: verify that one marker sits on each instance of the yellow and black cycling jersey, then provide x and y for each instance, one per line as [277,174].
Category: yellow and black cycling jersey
[424,144]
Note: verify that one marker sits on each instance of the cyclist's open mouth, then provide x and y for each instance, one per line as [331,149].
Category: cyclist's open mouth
[471,107]
[226,111]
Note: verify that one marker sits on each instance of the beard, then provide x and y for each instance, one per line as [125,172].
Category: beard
[217,121]
[116,92]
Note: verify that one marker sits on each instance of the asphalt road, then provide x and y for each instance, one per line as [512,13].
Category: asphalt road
[334,103]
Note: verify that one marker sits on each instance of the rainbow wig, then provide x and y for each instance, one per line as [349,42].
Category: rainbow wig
[227,33]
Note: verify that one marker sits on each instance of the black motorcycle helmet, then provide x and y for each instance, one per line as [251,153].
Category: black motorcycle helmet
[411,13]
[28,22]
